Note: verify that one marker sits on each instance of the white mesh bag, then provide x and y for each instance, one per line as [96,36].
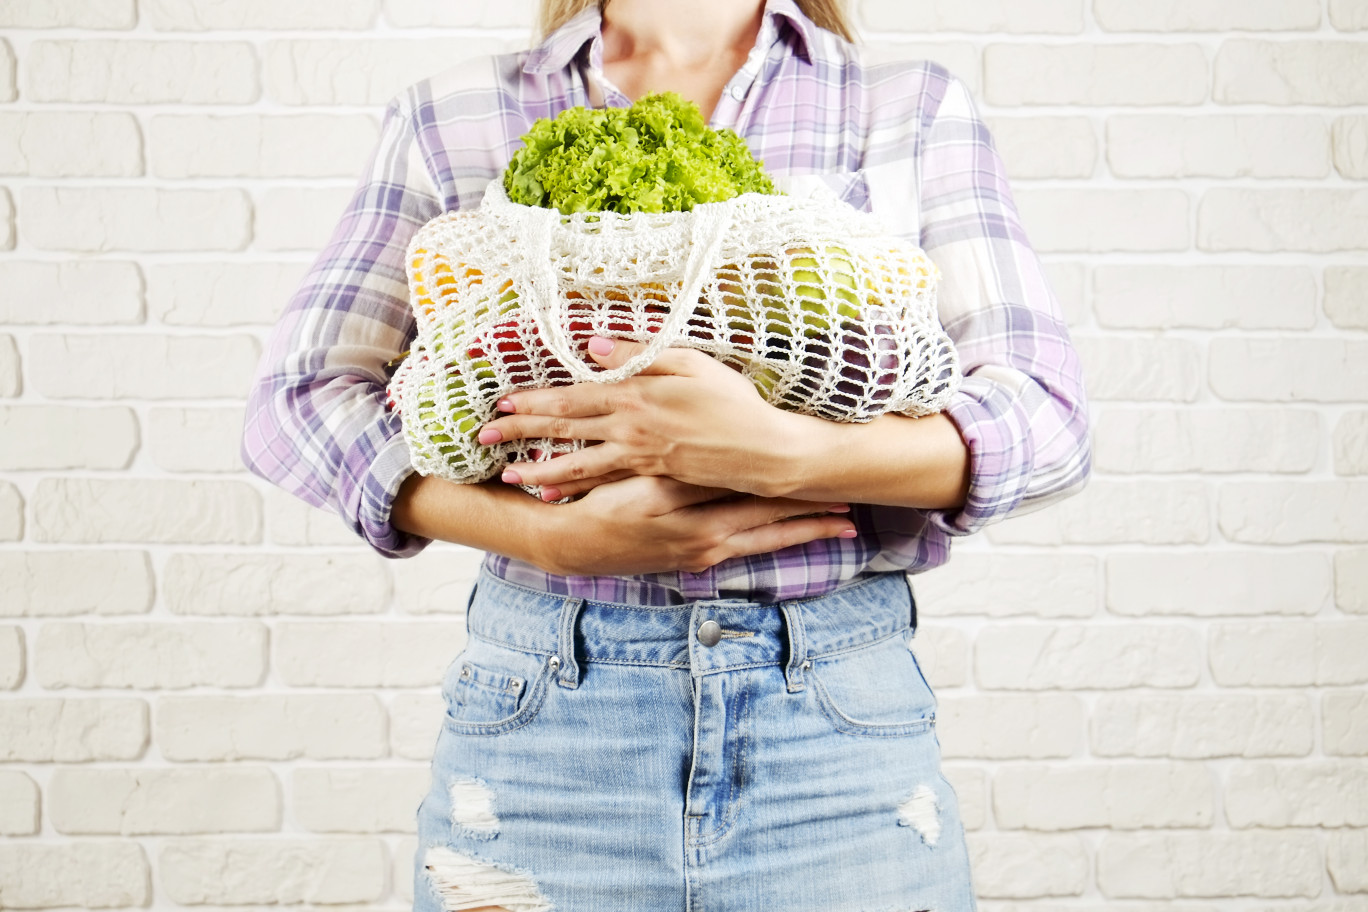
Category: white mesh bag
[822,308]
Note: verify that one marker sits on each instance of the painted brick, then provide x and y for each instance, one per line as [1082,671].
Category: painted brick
[135,802]
[1045,147]
[1002,585]
[146,510]
[54,730]
[142,365]
[63,583]
[67,437]
[1010,726]
[1277,221]
[1330,793]
[1351,444]
[1351,146]
[1346,296]
[142,72]
[11,656]
[1291,72]
[1349,15]
[325,71]
[1069,281]
[1068,220]
[8,83]
[221,294]
[1351,580]
[1204,297]
[1211,583]
[1140,368]
[1063,17]
[358,800]
[1128,440]
[1345,717]
[1200,727]
[146,655]
[1125,797]
[943,656]
[960,58]
[11,381]
[99,293]
[196,439]
[252,145]
[107,14]
[1171,145]
[265,584]
[92,874]
[272,727]
[69,144]
[1117,512]
[214,15]
[291,521]
[1207,15]
[19,801]
[7,228]
[365,653]
[1188,865]
[1289,654]
[1288,513]
[1047,657]
[1288,369]
[438,580]
[1345,861]
[1095,74]
[971,794]
[101,219]
[415,723]
[272,871]
[1026,866]
[298,218]
[11,512]
[404,857]
[470,14]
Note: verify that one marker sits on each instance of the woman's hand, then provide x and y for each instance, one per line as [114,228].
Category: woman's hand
[653,525]
[686,416]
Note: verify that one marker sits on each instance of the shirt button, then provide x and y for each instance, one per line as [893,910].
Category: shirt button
[738,92]
[709,633]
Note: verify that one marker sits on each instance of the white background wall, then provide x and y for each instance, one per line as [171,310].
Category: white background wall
[1152,696]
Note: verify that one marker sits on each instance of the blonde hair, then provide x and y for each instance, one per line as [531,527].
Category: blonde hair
[827,14]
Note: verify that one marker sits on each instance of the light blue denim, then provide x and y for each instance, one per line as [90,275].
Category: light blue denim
[605,758]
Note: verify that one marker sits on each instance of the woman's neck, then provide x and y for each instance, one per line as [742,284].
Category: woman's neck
[692,48]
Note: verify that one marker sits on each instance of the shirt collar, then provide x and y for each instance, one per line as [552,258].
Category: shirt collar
[565,43]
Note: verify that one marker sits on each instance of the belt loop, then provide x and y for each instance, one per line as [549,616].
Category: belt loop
[912,604]
[798,661]
[568,675]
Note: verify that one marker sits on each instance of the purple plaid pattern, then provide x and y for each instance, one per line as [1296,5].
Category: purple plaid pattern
[901,138]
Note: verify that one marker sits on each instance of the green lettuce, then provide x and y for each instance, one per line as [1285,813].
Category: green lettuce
[655,156]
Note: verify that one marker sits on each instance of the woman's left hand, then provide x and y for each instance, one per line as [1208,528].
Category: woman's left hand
[686,416]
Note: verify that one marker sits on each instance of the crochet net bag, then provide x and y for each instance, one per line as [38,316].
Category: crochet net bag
[826,312]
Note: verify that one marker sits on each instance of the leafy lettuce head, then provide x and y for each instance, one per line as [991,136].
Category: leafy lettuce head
[656,156]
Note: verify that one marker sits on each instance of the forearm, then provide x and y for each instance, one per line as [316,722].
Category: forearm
[491,517]
[892,460]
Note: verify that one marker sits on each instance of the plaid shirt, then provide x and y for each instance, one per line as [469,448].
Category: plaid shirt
[900,139]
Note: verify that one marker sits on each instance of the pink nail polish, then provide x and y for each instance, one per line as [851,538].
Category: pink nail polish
[839,508]
[848,533]
[600,346]
[505,405]
[550,494]
[510,477]
[489,435]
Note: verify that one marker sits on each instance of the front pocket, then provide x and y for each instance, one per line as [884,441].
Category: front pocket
[491,689]
[877,690]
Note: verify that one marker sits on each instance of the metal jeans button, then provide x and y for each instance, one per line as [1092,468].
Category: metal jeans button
[709,633]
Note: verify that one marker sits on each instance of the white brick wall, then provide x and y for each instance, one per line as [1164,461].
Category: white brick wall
[1152,697]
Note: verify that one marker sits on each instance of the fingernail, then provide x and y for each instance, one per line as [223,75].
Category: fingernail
[489,435]
[510,477]
[505,405]
[839,508]
[550,494]
[600,346]
[848,533]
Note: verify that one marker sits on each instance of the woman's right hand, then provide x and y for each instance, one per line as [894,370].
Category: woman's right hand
[653,524]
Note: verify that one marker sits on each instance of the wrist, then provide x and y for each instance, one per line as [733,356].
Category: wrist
[800,446]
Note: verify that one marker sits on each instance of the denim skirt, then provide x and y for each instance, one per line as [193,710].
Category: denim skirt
[716,756]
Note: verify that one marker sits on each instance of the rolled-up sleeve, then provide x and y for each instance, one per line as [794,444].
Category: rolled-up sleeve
[1021,409]
[317,424]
